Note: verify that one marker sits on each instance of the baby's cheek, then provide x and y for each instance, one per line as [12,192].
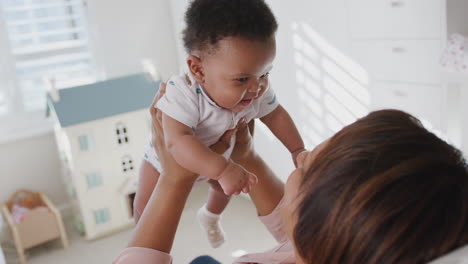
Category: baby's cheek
[234,100]
[224,100]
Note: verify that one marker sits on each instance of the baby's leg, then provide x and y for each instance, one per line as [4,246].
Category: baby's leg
[217,200]
[148,178]
[209,215]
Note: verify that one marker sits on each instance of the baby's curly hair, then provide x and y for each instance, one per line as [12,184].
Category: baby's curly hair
[209,21]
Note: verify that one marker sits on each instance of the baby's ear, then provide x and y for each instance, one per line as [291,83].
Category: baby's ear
[196,68]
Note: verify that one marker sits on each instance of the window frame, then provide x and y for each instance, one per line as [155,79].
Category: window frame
[94,180]
[127,164]
[122,134]
[85,139]
[102,216]
[17,123]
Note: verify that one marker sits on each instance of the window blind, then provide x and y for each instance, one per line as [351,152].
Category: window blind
[48,40]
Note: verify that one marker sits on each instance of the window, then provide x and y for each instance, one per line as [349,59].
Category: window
[121,133]
[84,142]
[94,180]
[40,39]
[127,164]
[102,216]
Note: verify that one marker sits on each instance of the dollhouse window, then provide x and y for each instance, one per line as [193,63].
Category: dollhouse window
[102,216]
[131,200]
[94,180]
[127,164]
[121,133]
[84,142]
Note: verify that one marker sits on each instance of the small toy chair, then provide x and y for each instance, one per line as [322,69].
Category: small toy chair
[39,224]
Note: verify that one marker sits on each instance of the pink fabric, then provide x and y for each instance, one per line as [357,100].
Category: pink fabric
[282,254]
[142,256]
[18,212]
[455,56]
[274,223]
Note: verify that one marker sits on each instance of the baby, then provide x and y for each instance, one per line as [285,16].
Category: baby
[231,47]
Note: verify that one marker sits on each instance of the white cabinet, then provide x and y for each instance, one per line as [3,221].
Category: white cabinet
[423,101]
[414,61]
[395,19]
[399,43]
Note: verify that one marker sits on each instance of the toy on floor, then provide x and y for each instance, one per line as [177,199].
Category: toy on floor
[33,220]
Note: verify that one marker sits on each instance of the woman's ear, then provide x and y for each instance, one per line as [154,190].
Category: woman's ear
[196,68]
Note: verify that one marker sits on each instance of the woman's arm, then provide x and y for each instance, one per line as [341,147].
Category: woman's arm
[158,223]
[269,191]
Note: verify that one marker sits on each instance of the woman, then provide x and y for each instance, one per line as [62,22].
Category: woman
[382,190]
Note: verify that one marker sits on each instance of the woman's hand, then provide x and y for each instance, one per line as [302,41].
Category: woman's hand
[244,144]
[267,193]
[224,143]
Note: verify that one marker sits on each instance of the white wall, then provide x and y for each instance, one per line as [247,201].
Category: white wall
[298,76]
[177,14]
[123,33]
[32,164]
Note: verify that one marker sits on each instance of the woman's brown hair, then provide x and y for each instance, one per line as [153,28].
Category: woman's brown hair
[384,190]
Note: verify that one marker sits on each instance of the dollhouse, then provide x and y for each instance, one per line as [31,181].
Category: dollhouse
[100,130]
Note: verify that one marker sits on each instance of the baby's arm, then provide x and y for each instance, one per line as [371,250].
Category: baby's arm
[193,155]
[189,152]
[283,127]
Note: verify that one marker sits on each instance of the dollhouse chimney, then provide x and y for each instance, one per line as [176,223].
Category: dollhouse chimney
[150,68]
[52,88]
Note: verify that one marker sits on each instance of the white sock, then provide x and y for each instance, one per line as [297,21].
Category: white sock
[210,222]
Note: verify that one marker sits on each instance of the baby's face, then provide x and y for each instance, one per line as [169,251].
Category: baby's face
[237,71]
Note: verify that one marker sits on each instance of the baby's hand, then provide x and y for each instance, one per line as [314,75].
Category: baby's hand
[235,179]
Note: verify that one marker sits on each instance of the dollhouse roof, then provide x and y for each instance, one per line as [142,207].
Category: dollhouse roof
[102,99]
